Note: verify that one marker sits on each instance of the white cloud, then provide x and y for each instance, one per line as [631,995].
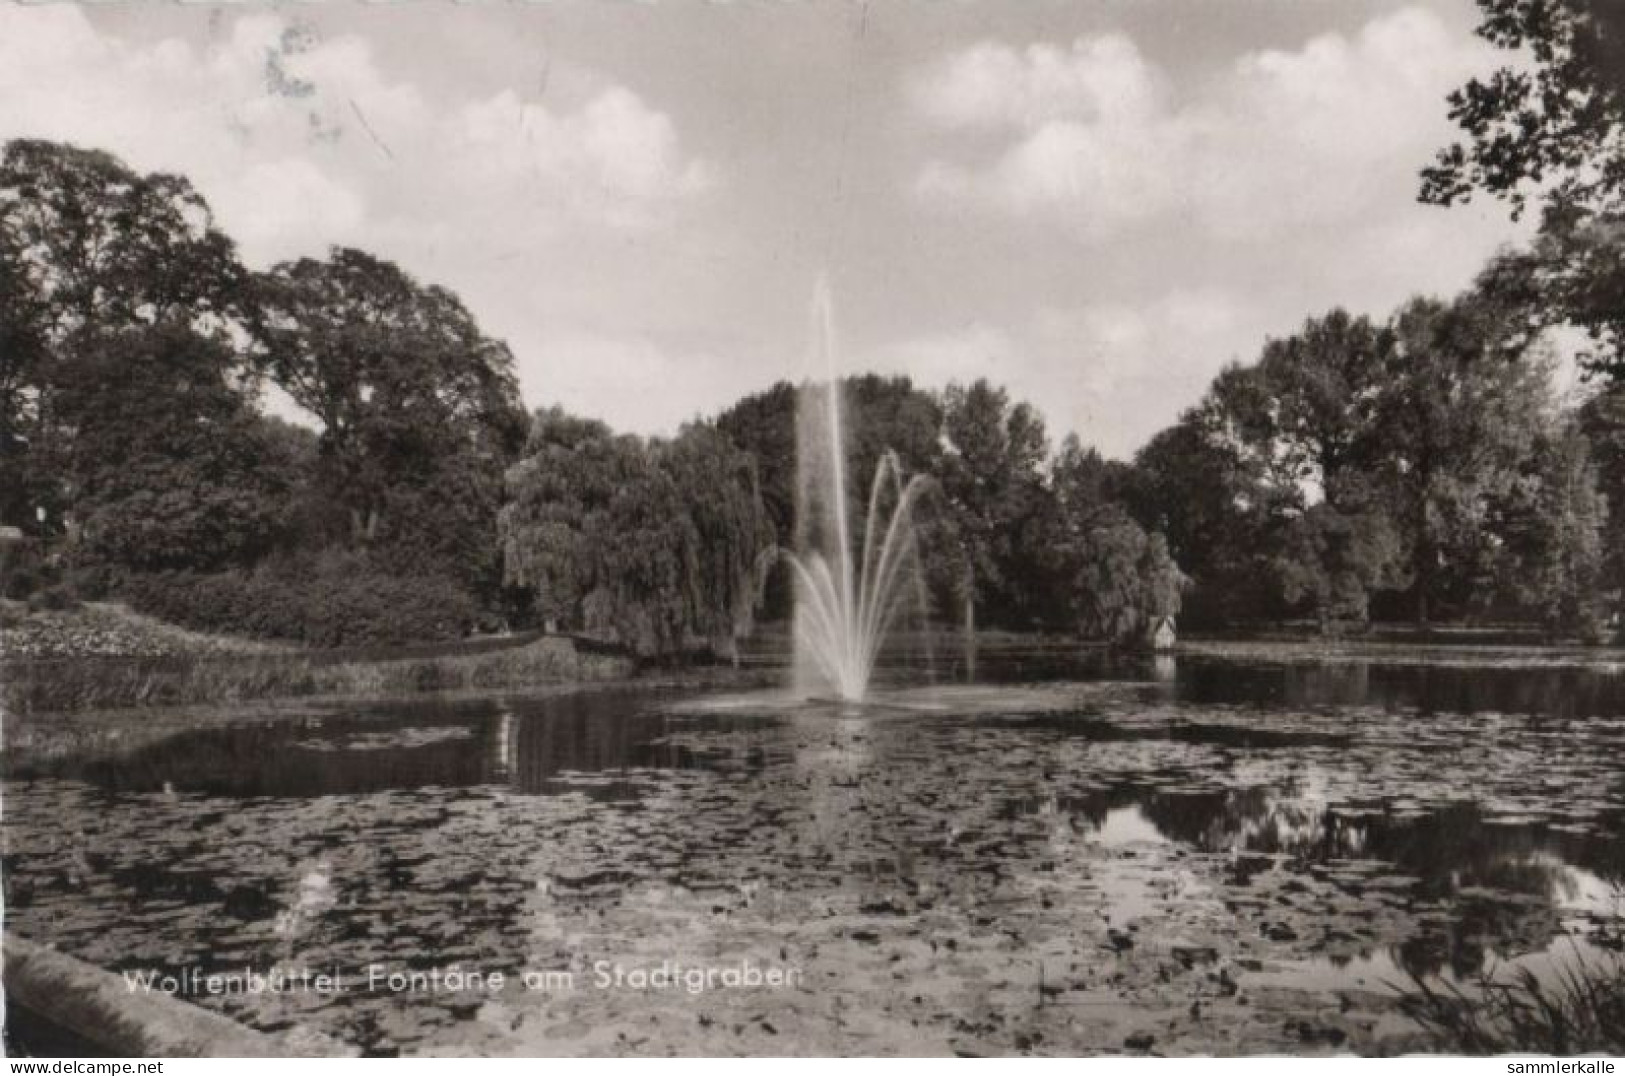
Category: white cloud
[288,205]
[991,85]
[1223,200]
[299,142]
[1234,205]
[1112,372]
[1089,126]
[1325,133]
[615,159]
[640,384]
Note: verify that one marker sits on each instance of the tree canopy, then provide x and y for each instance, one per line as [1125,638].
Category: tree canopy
[659,546]
[90,249]
[419,410]
[1363,466]
[1550,128]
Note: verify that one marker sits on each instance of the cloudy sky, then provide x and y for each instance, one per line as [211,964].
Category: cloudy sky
[1096,202]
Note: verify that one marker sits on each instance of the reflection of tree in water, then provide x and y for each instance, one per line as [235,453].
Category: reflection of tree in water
[1502,885]
[574,737]
[607,733]
[412,746]
[1556,692]
[311,757]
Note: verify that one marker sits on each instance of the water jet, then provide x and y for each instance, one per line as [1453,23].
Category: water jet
[848,595]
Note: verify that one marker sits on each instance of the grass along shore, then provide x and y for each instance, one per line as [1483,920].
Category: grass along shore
[107,658]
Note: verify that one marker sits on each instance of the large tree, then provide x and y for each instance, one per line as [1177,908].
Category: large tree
[168,464]
[1310,414]
[1192,483]
[657,546]
[1335,560]
[1554,536]
[1550,127]
[89,249]
[419,409]
[1460,408]
[1111,576]
[764,425]
[994,497]
[730,539]
[24,363]
[1602,420]
[1303,425]
[882,414]
[558,495]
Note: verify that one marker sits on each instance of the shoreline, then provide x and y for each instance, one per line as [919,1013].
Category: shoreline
[1463,654]
[36,688]
[112,686]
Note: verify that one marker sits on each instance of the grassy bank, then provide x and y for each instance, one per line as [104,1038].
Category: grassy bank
[87,683]
[110,629]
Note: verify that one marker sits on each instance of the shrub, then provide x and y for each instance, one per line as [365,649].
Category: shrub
[24,570]
[327,601]
[54,598]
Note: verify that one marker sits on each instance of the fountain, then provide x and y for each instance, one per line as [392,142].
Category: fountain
[847,597]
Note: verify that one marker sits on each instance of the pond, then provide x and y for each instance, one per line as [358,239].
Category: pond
[1199,854]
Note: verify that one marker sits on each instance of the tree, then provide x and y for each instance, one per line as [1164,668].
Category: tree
[89,249]
[888,414]
[1191,484]
[1460,407]
[882,414]
[731,539]
[1555,537]
[557,496]
[168,465]
[23,364]
[764,425]
[1113,578]
[102,246]
[993,492]
[419,410]
[1335,560]
[656,546]
[1602,420]
[1311,412]
[1303,425]
[1553,127]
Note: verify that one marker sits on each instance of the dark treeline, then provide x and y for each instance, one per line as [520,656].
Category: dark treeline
[1416,466]
[1421,468]
[1012,533]
[137,461]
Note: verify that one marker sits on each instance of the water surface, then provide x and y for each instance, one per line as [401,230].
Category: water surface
[1199,855]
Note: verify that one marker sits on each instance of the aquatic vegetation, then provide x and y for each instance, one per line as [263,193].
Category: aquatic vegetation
[86,684]
[1582,1012]
[1056,868]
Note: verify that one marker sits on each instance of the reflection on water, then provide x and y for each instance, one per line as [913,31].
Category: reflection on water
[523,745]
[1508,885]
[1187,839]
[1552,692]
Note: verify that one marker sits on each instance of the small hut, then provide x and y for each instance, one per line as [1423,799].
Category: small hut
[1161,633]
